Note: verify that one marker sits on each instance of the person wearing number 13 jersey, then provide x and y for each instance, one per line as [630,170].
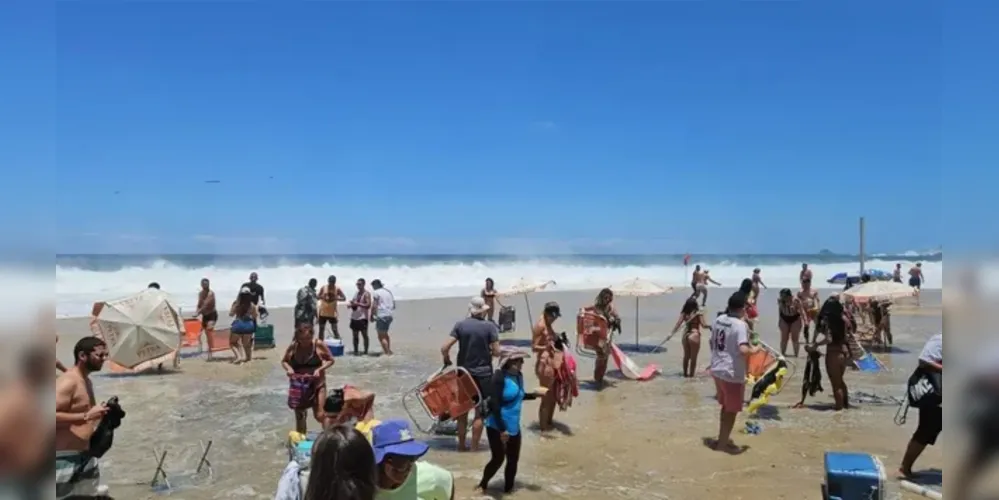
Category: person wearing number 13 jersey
[730,348]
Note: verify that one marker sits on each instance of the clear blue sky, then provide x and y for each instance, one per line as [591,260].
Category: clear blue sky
[710,127]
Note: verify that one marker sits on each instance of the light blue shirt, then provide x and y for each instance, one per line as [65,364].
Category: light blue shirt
[510,406]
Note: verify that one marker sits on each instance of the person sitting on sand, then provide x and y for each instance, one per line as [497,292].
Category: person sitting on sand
[809,299]
[305,362]
[401,473]
[833,322]
[206,307]
[604,306]
[548,361]
[730,350]
[491,296]
[790,312]
[342,466]
[506,395]
[244,316]
[478,344]
[692,320]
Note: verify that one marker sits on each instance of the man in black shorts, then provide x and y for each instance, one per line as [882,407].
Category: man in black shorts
[478,344]
[257,290]
[930,409]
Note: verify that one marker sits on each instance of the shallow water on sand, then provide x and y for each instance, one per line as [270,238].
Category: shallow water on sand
[631,440]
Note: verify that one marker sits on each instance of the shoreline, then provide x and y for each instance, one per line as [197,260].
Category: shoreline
[514,299]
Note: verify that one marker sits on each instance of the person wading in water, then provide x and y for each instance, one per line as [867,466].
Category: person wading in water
[547,363]
[305,362]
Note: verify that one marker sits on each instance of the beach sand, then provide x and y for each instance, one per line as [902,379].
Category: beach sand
[641,440]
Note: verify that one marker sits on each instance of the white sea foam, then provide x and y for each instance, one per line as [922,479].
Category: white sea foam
[77,289]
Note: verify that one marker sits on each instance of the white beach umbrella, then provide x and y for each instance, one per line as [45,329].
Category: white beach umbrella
[141,331]
[639,288]
[880,290]
[524,287]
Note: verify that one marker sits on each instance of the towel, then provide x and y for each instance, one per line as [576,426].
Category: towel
[290,484]
[812,380]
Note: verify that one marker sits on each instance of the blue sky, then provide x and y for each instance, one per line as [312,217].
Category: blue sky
[710,127]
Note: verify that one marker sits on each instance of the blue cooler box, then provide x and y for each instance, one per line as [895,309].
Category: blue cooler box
[335,346]
[854,476]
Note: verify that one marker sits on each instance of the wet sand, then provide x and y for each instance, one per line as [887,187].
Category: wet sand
[641,440]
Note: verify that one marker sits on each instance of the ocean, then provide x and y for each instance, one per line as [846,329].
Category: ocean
[83,279]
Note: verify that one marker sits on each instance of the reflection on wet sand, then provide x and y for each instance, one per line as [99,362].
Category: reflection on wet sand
[630,440]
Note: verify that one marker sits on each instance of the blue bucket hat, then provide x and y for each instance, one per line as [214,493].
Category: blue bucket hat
[393,437]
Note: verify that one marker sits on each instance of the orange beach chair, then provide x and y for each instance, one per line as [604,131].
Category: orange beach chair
[592,332]
[447,394]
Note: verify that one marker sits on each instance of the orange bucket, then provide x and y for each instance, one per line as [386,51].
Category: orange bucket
[592,329]
[450,394]
[192,332]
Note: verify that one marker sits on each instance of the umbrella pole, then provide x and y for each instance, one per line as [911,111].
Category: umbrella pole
[636,324]
[530,318]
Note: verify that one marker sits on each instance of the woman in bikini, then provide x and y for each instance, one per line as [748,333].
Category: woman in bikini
[604,306]
[751,312]
[757,282]
[790,313]
[835,323]
[809,299]
[244,316]
[306,361]
[692,320]
[549,358]
[491,296]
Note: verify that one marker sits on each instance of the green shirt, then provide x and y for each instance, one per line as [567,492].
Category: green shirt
[426,482]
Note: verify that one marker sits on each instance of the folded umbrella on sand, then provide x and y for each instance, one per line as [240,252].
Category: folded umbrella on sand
[141,331]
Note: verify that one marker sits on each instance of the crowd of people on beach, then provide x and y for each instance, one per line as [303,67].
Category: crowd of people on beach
[359,457]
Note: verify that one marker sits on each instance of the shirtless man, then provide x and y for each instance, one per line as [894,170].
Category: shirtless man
[77,416]
[695,279]
[206,307]
[702,278]
[809,299]
[806,274]
[916,278]
[757,282]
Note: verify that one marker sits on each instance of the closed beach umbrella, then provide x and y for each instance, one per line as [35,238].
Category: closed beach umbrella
[524,287]
[639,288]
[141,331]
[879,290]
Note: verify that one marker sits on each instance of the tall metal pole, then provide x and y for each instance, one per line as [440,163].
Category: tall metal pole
[862,246]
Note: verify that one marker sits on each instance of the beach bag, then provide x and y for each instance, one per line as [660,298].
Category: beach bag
[925,389]
[301,391]
[243,325]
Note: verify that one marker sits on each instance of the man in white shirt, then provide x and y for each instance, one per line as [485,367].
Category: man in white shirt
[382,310]
[930,411]
[730,348]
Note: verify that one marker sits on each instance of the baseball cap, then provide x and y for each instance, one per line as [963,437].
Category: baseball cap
[393,437]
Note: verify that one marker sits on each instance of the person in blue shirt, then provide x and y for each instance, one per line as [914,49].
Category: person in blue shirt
[506,394]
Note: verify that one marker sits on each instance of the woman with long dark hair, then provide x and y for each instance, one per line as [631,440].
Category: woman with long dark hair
[692,320]
[506,394]
[835,323]
[342,467]
[244,324]
[746,288]
[491,296]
